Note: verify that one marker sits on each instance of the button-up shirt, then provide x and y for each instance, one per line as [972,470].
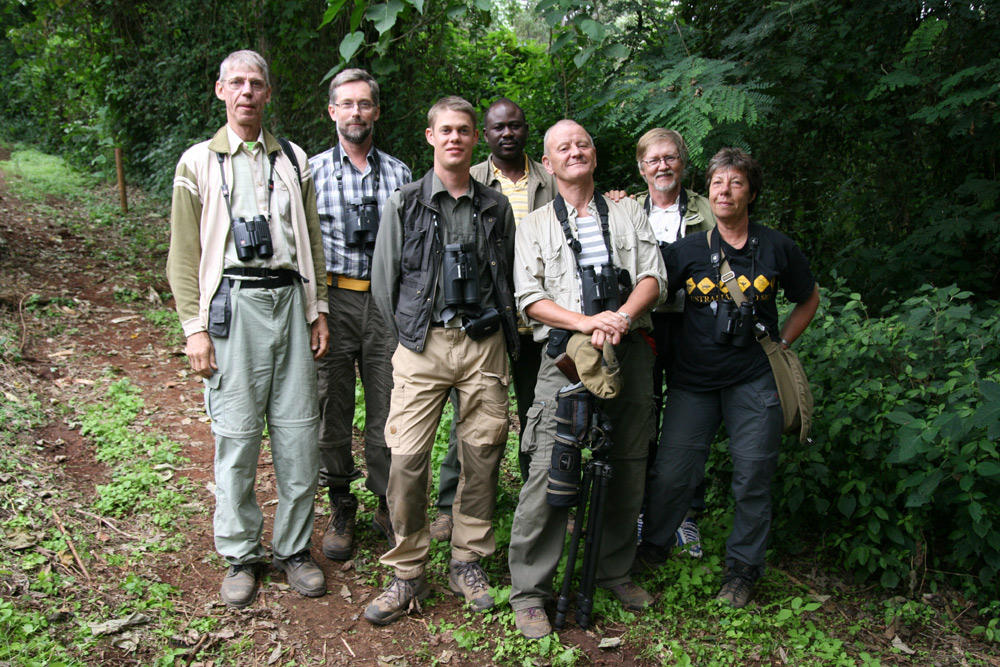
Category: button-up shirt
[335,204]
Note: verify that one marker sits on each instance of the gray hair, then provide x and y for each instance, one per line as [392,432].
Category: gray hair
[737,160]
[657,135]
[245,57]
[564,121]
[349,76]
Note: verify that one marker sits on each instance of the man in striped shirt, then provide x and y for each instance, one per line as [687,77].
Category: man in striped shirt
[353,181]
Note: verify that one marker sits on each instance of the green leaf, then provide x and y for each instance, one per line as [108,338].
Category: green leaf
[581,58]
[846,505]
[922,495]
[899,417]
[592,29]
[350,44]
[331,11]
[483,5]
[617,52]
[455,12]
[889,579]
[383,15]
[988,469]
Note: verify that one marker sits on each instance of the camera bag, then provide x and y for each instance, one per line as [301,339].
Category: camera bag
[789,375]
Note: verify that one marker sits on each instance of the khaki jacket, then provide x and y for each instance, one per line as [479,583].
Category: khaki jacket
[541,184]
[199,226]
[545,268]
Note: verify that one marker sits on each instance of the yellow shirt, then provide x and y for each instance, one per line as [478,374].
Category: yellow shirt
[515,191]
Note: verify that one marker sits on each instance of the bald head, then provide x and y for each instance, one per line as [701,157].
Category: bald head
[561,127]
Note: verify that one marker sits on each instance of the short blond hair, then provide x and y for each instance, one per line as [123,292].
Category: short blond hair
[451,103]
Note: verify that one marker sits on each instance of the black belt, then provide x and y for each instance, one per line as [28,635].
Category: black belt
[262,278]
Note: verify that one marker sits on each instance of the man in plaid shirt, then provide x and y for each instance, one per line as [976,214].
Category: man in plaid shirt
[353,181]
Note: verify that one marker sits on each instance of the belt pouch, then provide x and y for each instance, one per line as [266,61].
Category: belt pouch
[220,311]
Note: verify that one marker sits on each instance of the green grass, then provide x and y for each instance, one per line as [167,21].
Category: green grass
[35,176]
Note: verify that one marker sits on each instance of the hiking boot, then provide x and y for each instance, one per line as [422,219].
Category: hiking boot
[532,622]
[737,584]
[441,528]
[338,540]
[648,557]
[469,581]
[688,537]
[631,596]
[239,586]
[399,597]
[304,575]
[382,524]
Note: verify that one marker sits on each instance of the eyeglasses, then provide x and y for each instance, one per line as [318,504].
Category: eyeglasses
[237,83]
[666,159]
[362,105]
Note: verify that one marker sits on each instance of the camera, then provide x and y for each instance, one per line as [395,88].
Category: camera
[361,229]
[461,275]
[252,238]
[603,289]
[734,325]
[485,324]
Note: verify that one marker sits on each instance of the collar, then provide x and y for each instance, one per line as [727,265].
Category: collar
[235,142]
[437,187]
[499,175]
[344,156]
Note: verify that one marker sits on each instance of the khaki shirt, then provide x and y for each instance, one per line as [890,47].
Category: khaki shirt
[545,268]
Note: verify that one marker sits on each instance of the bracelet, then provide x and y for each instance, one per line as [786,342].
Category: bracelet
[628,318]
[785,343]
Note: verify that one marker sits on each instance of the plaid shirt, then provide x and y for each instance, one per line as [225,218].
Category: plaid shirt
[340,259]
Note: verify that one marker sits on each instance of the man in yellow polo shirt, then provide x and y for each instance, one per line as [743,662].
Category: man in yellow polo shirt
[528,186]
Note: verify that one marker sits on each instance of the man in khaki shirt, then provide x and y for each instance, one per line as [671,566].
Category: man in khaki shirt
[548,293]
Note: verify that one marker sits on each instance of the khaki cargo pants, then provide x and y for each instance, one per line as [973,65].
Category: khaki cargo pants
[478,371]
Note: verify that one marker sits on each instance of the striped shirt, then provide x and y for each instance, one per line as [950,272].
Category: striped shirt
[515,191]
[333,208]
[593,252]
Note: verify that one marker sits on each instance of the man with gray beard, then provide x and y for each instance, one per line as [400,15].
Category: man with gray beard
[353,181]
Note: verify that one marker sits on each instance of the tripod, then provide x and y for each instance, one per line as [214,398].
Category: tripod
[590,506]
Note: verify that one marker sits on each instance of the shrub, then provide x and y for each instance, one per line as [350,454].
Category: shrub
[903,476]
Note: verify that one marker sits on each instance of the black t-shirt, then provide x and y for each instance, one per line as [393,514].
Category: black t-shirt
[701,364]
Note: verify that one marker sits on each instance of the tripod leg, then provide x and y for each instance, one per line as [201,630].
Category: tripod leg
[562,605]
[600,473]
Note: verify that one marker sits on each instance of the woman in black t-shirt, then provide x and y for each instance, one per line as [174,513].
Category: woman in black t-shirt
[721,374]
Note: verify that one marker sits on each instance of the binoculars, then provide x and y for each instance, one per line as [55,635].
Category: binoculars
[360,230]
[252,238]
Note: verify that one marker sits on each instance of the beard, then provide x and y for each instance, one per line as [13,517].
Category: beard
[667,188]
[356,135]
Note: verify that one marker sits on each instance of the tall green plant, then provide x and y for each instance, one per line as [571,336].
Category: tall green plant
[903,476]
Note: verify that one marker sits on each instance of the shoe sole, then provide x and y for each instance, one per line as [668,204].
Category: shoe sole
[396,615]
[241,605]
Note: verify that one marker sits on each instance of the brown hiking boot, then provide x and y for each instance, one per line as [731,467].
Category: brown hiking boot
[532,622]
[338,540]
[382,523]
[469,581]
[304,575]
[441,528]
[631,596]
[737,584]
[399,597]
[239,586]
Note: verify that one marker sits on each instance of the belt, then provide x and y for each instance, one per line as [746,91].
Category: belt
[346,282]
[262,278]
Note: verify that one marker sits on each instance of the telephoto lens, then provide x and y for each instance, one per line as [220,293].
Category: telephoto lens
[573,411]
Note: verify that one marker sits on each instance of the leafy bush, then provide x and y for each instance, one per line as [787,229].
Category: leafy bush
[904,472]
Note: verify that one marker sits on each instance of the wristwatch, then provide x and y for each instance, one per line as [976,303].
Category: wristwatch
[628,318]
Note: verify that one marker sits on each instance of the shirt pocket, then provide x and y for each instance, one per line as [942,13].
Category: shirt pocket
[555,272]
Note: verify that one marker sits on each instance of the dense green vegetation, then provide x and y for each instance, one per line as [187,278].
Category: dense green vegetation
[877,125]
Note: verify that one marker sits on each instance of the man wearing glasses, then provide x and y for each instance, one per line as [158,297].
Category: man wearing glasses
[353,181]
[674,212]
[245,268]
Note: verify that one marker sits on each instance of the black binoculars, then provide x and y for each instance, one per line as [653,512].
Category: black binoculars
[734,325]
[252,238]
[602,289]
[461,275]
[360,230]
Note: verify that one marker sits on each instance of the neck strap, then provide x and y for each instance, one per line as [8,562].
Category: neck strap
[225,187]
